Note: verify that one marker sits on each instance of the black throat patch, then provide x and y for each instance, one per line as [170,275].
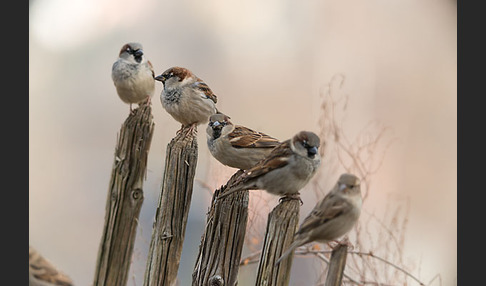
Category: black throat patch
[216,133]
[172,96]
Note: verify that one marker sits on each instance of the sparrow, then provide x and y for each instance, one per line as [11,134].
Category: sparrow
[133,75]
[187,98]
[285,171]
[43,273]
[333,216]
[235,145]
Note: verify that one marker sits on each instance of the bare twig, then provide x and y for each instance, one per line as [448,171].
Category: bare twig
[437,276]
[205,186]
[370,254]
[251,258]
[387,229]
[359,155]
[320,253]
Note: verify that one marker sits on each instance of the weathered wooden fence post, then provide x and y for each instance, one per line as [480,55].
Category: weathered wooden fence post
[125,197]
[281,225]
[222,242]
[172,211]
[336,265]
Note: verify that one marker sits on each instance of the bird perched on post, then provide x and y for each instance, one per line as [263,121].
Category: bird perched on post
[133,75]
[235,145]
[285,171]
[43,273]
[187,98]
[333,216]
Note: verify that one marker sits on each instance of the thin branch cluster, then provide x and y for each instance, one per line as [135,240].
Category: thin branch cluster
[376,257]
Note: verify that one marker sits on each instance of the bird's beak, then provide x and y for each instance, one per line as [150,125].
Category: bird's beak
[217,125]
[342,187]
[217,128]
[138,53]
[160,78]
[312,151]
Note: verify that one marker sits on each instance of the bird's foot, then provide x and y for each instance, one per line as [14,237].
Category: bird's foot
[148,101]
[291,197]
[187,131]
[178,132]
[192,129]
[345,241]
[132,111]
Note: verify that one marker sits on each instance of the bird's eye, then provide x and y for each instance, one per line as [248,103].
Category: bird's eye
[304,143]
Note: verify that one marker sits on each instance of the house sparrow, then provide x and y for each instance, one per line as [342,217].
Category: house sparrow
[43,273]
[133,75]
[333,216]
[186,97]
[235,145]
[286,170]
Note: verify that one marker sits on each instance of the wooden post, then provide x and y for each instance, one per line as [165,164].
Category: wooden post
[222,242]
[281,225]
[337,265]
[172,211]
[125,197]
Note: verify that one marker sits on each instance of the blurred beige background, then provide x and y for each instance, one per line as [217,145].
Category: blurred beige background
[268,62]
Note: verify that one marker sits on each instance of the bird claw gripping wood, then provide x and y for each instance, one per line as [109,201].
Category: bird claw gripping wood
[291,197]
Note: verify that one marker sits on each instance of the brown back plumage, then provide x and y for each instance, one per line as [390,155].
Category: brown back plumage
[276,159]
[243,137]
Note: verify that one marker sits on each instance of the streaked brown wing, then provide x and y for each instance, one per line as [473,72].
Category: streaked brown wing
[204,88]
[276,159]
[243,137]
[328,208]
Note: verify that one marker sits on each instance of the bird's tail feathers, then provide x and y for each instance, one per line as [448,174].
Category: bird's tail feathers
[291,248]
[229,192]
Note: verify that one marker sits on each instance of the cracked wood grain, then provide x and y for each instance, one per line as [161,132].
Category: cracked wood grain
[125,198]
[222,242]
[172,211]
[281,225]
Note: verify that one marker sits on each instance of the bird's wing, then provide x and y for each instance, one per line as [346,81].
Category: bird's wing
[204,88]
[278,158]
[328,208]
[243,137]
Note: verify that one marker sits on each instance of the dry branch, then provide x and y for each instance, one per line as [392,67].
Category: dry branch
[281,226]
[125,197]
[370,254]
[172,211]
[222,242]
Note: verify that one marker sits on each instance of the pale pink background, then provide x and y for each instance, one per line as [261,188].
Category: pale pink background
[267,62]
